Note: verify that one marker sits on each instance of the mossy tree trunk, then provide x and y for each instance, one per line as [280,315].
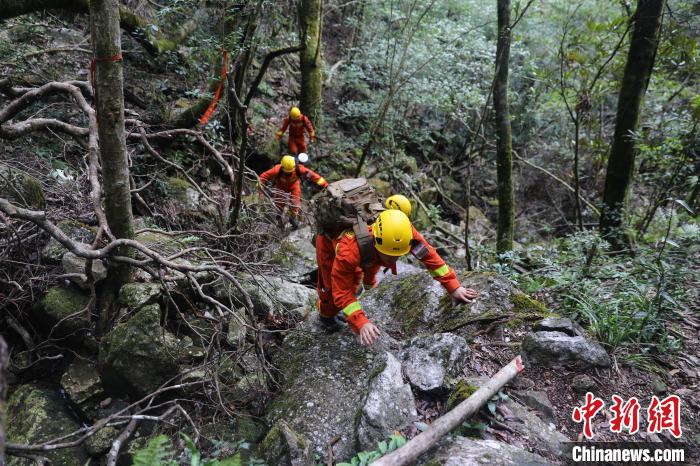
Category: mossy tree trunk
[620,170]
[109,84]
[311,59]
[504,144]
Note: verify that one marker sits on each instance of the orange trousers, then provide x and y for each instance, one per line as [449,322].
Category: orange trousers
[292,198]
[325,255]
[297,145]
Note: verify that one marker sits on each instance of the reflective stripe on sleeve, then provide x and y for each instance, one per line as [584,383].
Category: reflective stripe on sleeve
[320,181]
[352,307]
[441,271]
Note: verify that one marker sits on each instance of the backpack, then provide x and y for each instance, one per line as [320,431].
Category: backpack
[349,203]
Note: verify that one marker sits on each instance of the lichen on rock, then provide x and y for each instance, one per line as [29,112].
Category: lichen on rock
[36,414]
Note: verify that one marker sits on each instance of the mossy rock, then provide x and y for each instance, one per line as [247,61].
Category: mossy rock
[160,242]
[20,188]
[53,251]
[383,188]
[415,304]
[133,296]
[82,384]
[326,377]
[100,443]
[138,356]
[284,447]
[36,414]
[67,306]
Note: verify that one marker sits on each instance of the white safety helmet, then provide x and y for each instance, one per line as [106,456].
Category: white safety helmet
[303,157]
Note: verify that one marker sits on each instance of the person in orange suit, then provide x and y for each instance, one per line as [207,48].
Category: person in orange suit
[297,124]
[286,177]
[341,274]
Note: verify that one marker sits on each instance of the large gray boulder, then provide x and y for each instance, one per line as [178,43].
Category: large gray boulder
[296,254]
[330,384]
[461,451]
[542,434]
[268,294]
[138,355]
[288,294]
[35,415]
[432,363]
[559,324]
[553,349]
[63,313]
[389,405]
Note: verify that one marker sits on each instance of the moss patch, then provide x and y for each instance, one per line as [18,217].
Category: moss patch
[64,305]
[525,306]
[461,392]
[409,300]
[463,319]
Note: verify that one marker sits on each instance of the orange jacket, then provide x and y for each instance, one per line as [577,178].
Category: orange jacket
[287,183]
[296,128]
[347,273]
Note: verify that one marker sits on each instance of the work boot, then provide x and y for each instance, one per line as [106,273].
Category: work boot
[329,324]
[294,222]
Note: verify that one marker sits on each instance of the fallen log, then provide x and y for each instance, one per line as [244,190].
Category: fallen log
[423,442]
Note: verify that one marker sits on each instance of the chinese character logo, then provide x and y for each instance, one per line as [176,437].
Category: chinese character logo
[665,415]
[586,413]
[625,415]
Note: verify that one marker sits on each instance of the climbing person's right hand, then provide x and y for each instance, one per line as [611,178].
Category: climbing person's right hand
[369,333]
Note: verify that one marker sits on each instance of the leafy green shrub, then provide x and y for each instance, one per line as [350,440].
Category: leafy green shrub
[364,458]
[160,452]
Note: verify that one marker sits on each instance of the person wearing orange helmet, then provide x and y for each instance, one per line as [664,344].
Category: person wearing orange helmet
[286,177]
[341,274]
[297,124]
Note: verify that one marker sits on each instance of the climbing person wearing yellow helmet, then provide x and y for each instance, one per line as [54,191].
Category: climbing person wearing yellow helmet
[297,124]
[286,177]
[341,272]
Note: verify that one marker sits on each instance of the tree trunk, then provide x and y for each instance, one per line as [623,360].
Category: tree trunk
[620,171]
[310,20]
[577,184]
[109,96]
[504,144]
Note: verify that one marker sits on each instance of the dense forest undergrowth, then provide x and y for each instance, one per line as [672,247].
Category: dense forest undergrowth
[191,337]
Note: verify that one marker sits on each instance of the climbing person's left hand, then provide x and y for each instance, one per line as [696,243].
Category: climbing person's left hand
[463,295]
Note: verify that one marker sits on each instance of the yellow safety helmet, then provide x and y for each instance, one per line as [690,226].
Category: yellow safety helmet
[295,113]
[288,164]
[392,233]
[400,202]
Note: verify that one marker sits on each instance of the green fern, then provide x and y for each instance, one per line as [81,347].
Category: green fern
[157,453]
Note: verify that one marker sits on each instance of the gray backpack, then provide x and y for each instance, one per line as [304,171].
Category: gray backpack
[350,203]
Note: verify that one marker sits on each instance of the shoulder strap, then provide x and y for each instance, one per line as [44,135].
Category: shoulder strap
[365,242]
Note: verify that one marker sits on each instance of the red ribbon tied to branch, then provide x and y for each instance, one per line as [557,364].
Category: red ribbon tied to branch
[213,104]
